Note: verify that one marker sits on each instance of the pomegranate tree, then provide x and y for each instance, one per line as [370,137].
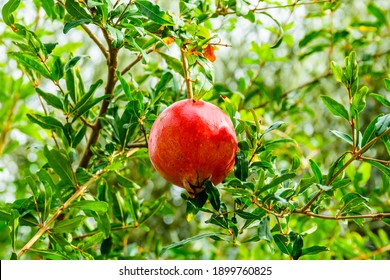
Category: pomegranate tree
[192,141]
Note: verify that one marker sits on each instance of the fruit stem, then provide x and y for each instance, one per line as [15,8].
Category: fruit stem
[190,93]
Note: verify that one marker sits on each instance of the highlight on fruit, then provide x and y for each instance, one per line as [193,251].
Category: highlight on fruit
[191,142]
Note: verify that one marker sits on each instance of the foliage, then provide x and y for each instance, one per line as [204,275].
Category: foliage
[305,84]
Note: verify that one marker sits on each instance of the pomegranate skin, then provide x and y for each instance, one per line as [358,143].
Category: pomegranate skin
[192,141]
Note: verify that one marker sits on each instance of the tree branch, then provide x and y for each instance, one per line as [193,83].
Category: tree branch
[355,156]
[59,211]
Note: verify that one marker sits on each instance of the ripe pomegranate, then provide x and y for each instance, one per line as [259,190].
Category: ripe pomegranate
[192,141]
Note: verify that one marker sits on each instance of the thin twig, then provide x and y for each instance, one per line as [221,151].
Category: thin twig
[135,61]
[373,253]
[187,78]
[123,12]
[96,40]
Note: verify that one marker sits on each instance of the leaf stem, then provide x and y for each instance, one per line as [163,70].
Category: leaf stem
[187,78]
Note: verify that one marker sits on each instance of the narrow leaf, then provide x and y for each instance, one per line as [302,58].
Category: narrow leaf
[31,63]
[8,9]
[188,240]
[384,169]
[91,241]
[61,165]
[68,225]
[46,122]
[369,133]
[335,108]
[264,230]
[276,181]
[154,13]
[343,136]
[337,71]
[382,124]
[98,206]
[50,99]
[74,9]
[282,241]
[314,250]
[74,23]
[316,171]
[116,35]
[213,195]
[381,99]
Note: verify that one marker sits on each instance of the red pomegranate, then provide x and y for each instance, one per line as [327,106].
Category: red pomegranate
[192,141]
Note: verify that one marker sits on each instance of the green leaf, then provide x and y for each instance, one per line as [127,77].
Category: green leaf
[213,195]
[280,32]
[133,204]
[173,63]
[61,165]
[126,182]
[116,35]
[74,23]
[49,254]
[359,100]
[74,9]
[297,246]
[377,12]
[125,85]
[97,206]
[31,63]
[337,71]
[194,204]
[277,180]
[50,99]
[273,126]
[384,169]
[314,250]
[382,124]
[381,99]
[369,133]
[282,243]
[335,108]
[46,122]
[154,13]
[72,62]
[188,240]
[351,201]
[148,212]
[241,167]
[48,195]
[87,96]
[316,171]
[82,110]
[264,230]
[69,225]
[387,84]
[49,7]
[57,69]
[343,136]
[7,11]
[336,165]
[91,241]
[13,226]
[247,215]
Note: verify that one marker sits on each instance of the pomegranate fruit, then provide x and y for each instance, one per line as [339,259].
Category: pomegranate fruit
[192,141]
